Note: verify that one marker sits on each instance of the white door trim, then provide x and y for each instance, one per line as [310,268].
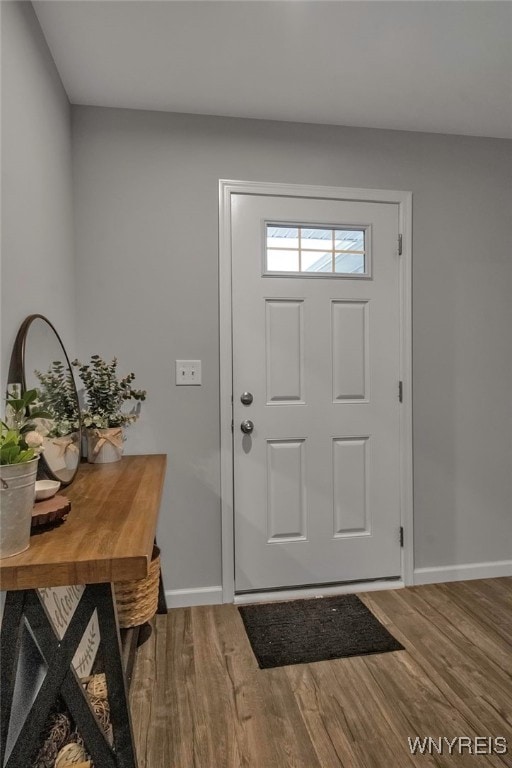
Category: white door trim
[404,201]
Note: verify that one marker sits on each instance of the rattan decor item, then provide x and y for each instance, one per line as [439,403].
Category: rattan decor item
[96,685]
[71,754]
[64,746]
[137,600]
[57,733]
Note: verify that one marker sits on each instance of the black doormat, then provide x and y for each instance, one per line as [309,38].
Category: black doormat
[302,631]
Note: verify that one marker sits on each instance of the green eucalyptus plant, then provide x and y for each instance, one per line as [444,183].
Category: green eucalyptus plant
[106,393]
[58,396]
[19,439]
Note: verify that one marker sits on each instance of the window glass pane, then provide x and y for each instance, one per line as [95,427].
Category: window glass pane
[282,231]
[349,240]
[349,263]
[316,238]
[326,250]
[314,261]
[282,261]
[282,237]
[281,242]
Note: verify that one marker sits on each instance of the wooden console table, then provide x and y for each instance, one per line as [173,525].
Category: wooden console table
[107,537]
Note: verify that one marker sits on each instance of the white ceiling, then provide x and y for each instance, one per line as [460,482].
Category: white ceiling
[426,65]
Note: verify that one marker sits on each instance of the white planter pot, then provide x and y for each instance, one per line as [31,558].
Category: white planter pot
[104,445]
[54,454]
[72,452]
[17,494]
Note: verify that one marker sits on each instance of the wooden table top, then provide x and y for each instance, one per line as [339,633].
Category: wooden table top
[108,534]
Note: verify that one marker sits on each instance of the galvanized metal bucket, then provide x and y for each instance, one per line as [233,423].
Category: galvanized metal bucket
[17,493]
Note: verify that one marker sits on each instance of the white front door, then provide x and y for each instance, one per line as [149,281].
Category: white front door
[316,344]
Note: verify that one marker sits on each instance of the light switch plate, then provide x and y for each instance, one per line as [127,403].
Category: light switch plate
[188,373]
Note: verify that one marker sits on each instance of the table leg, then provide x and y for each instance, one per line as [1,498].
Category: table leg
[162,602]
[104,599]
[10,640]
[61,678]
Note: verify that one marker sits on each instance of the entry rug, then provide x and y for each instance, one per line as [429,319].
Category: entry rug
[302,631]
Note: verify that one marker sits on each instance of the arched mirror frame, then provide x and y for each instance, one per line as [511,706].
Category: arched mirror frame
[17,376]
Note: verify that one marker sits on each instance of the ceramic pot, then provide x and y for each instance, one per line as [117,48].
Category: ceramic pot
[72,452]
[17,495]
[54,456]
[104,445]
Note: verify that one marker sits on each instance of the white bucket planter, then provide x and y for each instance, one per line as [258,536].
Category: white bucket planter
[104,445]
[17,494]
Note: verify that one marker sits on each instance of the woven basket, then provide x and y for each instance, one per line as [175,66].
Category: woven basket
[137,600]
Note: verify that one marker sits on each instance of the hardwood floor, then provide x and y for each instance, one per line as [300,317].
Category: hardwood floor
[199,699]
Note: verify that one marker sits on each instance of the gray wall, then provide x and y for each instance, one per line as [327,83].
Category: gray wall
[37,216]
[146,191]
[37,262]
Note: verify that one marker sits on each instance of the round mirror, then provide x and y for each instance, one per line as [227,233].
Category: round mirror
[39,361]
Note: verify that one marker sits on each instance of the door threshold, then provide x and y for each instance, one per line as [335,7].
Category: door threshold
[319,590]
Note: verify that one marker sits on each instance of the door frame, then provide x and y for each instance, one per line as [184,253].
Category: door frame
[404,201]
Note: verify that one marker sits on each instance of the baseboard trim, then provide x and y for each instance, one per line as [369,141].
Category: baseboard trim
[185,598]
[338,589]
[465,572]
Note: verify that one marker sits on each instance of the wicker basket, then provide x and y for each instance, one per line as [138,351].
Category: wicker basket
[137,600]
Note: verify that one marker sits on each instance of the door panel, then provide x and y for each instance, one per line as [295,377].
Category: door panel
[286,484]
[284,350]
[350,353]
[351,486]
[316,484]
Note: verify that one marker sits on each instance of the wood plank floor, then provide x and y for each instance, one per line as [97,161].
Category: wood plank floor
[199,699]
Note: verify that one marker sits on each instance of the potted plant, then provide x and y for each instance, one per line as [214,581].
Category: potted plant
[103,416]
[57,395]
[20,446]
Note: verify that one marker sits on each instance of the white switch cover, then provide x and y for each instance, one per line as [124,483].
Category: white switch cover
[188,372]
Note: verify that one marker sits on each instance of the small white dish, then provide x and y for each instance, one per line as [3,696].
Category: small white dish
[45,489]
